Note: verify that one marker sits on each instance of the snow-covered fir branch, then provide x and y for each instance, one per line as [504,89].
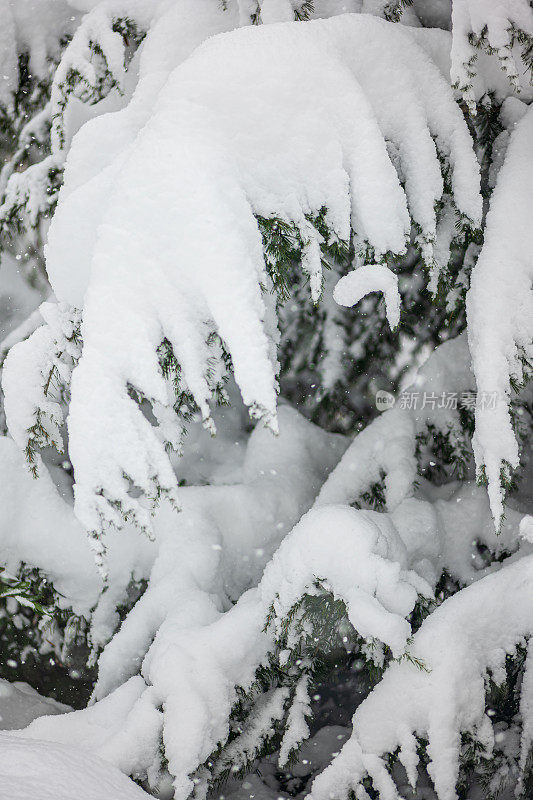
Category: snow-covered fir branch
[266,320]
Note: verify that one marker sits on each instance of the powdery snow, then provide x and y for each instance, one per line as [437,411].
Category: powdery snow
[370,278]
[253,146]
[50,771]
[20,705]
[500,309]
[163,191]
[468,634]
[35,28]
[492,21]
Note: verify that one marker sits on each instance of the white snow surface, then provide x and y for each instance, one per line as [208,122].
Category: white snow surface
[370,278]
[34,27]
[172,668]
[500,308]
[387,445]
[162,194]
[49,771]
[20,705]
[494,18]
[468,634]
[226,137]
[55,543]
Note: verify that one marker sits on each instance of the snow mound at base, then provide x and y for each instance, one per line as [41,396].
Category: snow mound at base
[31,769]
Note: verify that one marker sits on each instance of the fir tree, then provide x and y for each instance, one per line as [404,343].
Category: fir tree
[266,440]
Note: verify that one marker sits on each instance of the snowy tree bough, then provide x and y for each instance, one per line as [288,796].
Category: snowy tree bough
[243,170]
[224,185]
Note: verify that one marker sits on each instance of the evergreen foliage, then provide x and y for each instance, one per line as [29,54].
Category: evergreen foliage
[226,177]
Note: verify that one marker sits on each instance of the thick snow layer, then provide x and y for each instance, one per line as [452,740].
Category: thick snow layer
[49,771]
[38,529]
[360,555]
[79,58]
[20,705]
[386,447]
[171,670]
[196,651]
[493,19]
[163,194]
[468,634]
[370,278]
[18,300]
[35,28]
[199,656]
[192,647]
[488,77]
[261,136]
[281,477]
[500,308]
[206,556]
[110,729]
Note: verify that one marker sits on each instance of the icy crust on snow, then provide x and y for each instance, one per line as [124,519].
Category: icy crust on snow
[500,309]
[253,145]
[468,635]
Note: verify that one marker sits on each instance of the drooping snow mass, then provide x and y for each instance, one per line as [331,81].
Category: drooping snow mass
[254,146]
[35,28]
[500,310]
[82,61]
[190,649]
[197,653]
[465,637]
[56,544]
[192,652]
[370,278]
[204,557]
[343,139]
[198,673]
[494,24]
[386,449]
